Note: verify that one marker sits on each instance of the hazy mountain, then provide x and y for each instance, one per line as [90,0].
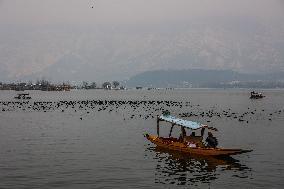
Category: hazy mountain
[198,78]
[117,53]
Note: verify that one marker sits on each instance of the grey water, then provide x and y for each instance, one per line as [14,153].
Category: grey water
[94,139]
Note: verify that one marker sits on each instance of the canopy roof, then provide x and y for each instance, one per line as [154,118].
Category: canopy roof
[184,123]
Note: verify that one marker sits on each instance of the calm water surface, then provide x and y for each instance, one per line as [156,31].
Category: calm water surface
[63,140]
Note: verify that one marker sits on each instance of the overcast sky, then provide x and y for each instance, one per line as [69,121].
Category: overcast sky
[38,12]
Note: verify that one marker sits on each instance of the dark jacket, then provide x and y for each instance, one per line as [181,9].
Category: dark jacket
[212,141]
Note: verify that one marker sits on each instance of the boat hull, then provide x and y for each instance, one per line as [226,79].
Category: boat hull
[256,97]
[173,144]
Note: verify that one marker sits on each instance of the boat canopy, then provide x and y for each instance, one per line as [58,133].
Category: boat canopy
[184,123]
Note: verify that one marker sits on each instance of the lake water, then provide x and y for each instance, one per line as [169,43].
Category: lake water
[94,139]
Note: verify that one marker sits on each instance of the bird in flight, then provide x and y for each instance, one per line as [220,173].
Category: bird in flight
[92,5]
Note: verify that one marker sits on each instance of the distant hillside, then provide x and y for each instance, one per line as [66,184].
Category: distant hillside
[104,53]
[203,78]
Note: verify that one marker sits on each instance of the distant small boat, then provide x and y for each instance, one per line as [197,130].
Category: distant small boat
[187,144]
[256,95]
[23,96]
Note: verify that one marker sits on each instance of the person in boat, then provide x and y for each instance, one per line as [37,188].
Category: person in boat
[191,140]
[212,141]
[182,136]
[195,141]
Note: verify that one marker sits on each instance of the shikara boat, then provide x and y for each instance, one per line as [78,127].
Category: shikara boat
[256,95]
[188,144]
[23,96]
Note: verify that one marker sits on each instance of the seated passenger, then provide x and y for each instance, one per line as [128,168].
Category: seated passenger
[194,141]
[191,145]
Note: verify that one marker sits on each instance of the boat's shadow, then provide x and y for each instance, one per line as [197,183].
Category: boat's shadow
[182,169]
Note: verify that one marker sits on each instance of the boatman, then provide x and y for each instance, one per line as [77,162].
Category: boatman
[212,141]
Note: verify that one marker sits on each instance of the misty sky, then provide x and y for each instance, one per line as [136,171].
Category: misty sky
[40,12]
[38,15]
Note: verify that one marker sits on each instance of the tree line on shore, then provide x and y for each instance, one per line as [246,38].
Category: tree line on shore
[46,85]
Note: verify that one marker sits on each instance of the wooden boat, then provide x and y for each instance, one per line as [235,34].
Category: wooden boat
[185,145]
[23,96]
[256,95]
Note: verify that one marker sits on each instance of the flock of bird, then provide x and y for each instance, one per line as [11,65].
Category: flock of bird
[241,117]
[138,109]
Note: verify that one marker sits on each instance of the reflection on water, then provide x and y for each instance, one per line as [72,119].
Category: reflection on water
[93,139]
[181,169]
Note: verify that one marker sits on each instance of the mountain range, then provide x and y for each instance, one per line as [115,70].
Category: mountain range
[205,78]
[118,53]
